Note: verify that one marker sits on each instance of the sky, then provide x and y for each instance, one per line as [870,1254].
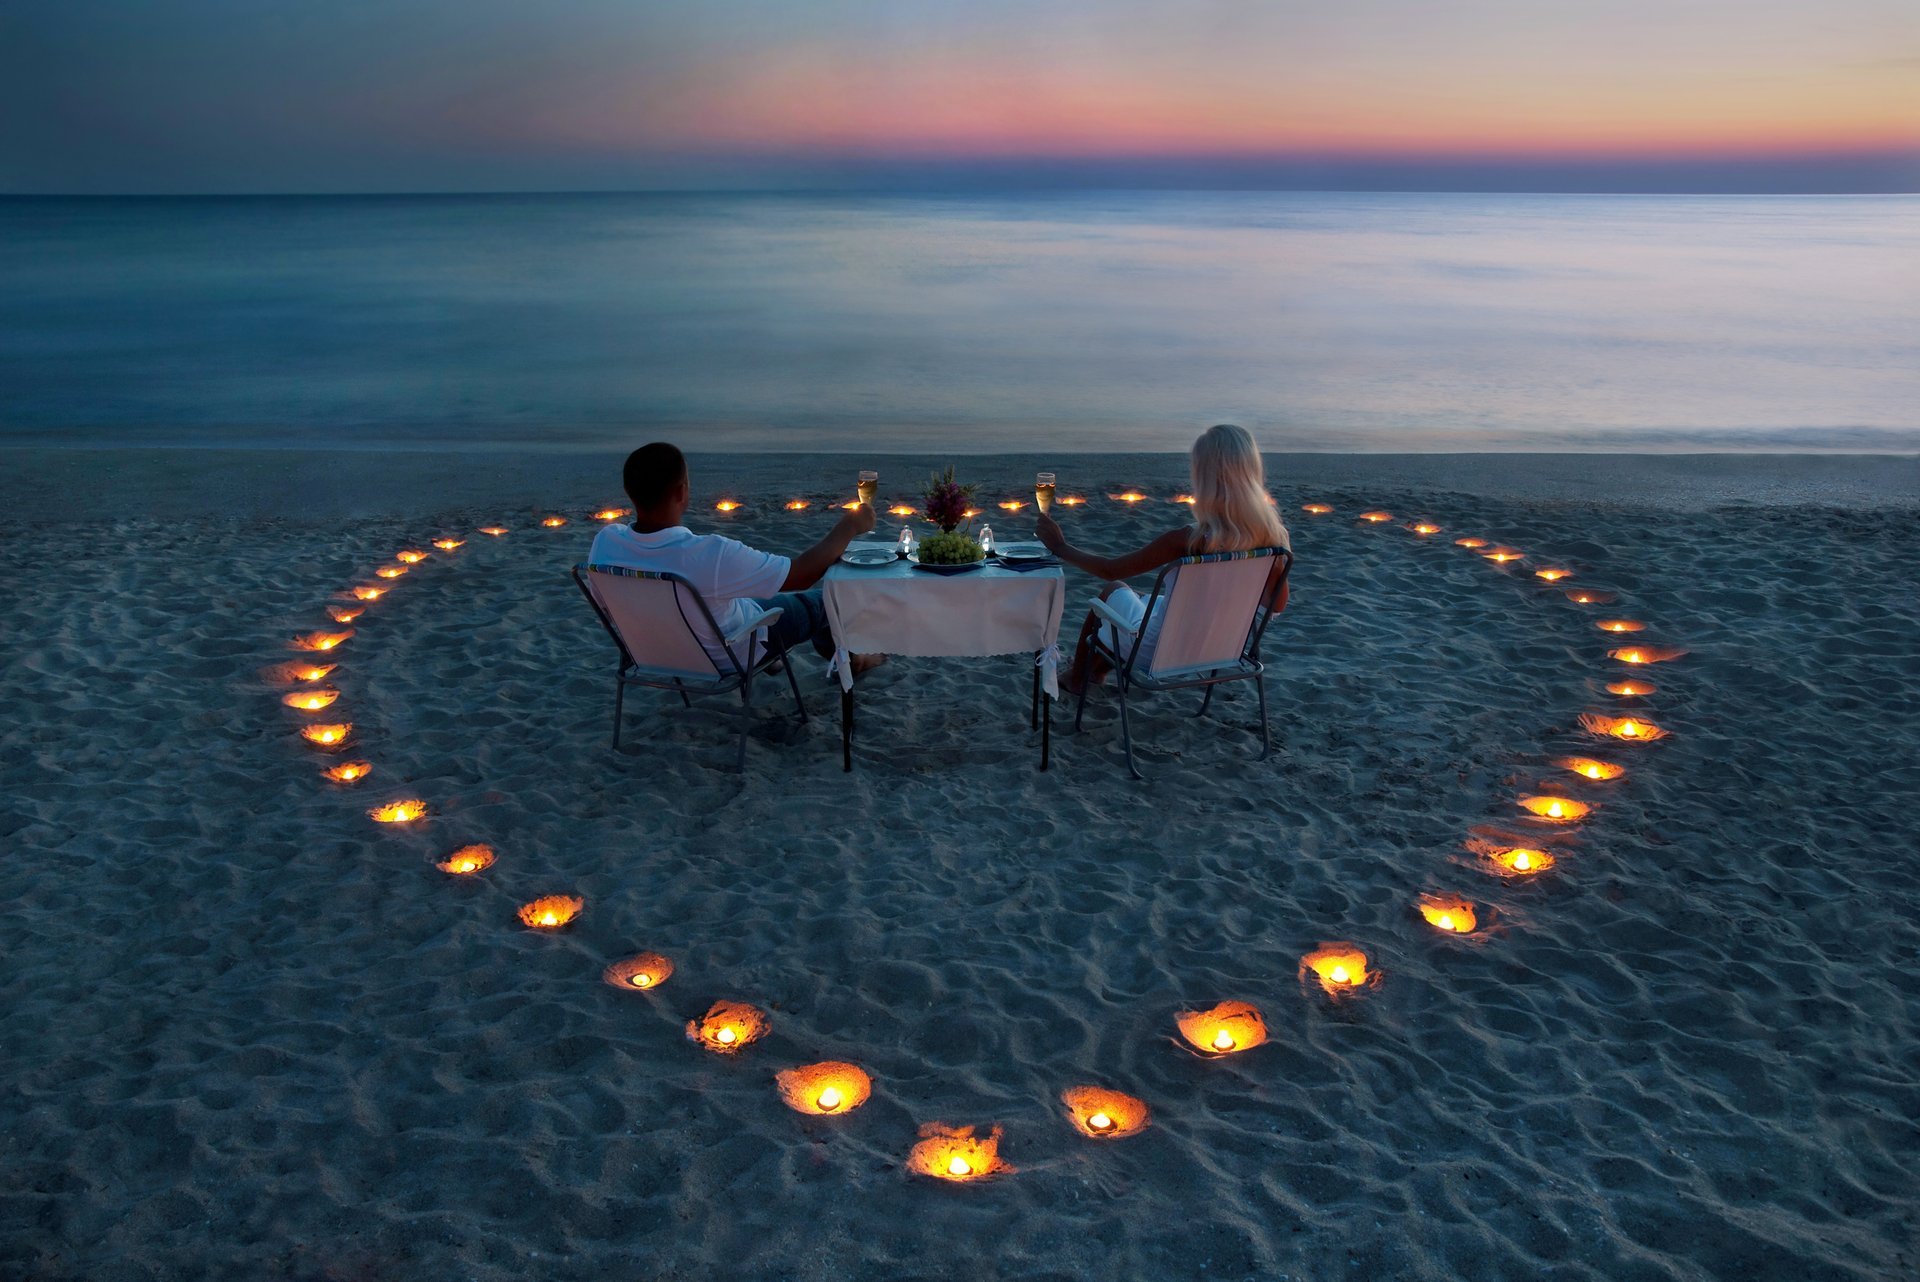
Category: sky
[214,96]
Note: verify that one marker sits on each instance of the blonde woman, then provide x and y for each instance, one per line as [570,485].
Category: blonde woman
[1231,513]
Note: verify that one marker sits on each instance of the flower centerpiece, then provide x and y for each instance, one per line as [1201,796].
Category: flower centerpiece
[946,505]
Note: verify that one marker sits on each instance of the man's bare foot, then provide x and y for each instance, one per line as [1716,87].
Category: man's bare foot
[863,663]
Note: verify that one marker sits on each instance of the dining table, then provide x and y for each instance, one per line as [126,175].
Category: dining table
[1010,603]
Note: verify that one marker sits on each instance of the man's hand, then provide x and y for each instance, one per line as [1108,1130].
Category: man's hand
[1049,530]
[860,520]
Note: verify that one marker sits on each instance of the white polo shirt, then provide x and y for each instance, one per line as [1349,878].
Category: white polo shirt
[725,571]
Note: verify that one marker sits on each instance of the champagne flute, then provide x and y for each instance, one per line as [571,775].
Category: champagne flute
[869,486]
[1043,491]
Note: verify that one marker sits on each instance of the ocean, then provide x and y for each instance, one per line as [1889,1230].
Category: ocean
[965,323]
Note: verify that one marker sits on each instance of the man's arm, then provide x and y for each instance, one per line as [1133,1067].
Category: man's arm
[811,566]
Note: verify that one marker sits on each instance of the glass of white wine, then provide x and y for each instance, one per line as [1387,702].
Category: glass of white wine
[869,486]
[1043,491]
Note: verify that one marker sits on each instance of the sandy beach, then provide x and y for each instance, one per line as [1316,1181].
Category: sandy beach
[250,1033]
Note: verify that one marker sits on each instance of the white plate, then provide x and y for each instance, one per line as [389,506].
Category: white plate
[869,558]
[1021,551]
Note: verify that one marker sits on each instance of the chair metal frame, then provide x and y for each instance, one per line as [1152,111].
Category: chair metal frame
[685,684]
[1248,667]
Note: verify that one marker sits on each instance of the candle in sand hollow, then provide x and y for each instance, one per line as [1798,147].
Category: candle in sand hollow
[554,522]
[412,556]
[830,1088]
[1225,1029]
[1341,968]
[728,1027]
[1626,729]
[1317,509]
[1102,1114]
[310,700]
[467,860]
[1449,913]
[1376,518]
[493,531]
[641,972]
[957,1153]
[345,613]
[551,912]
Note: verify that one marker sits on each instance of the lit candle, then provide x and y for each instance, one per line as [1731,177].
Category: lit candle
[554,522]
[411,556]
[725,505]
[1318,509]
[957,1166]
[1223,1040]
[829,1099]
[726,1037]
[1376,518]
[641,979]
[1099,1122]
[391,571]
[1426,527]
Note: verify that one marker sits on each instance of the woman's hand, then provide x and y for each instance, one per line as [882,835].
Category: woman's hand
[1049,531]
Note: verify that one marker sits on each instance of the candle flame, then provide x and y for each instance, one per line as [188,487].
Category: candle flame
[1186,499]
[494,531]
[310,700]
[1586,596]
[448,545]
[1318,509]
[1011,505]
[798,505]
[900,509]
[1470,542]
[1502,555]
[1376,517]
[1552,575]
[1070,500]
[725,505]
[348,772]
[1620,625]
[329,736]
[612,513]
[390,571]
[1130,496]
[1424,528]
[554,522]
[369,593]
[412,556]
[1630,689]
[345,613]
[1555,809]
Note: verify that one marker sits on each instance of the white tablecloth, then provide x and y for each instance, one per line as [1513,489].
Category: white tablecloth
[896,609]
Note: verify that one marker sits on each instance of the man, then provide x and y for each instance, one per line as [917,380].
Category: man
[730,575]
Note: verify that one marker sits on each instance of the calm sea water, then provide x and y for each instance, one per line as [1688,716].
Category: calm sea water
[1084,321]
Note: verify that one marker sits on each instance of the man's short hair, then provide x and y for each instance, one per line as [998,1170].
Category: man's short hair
[651,473]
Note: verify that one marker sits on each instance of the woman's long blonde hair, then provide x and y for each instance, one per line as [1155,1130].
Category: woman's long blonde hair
[1231,511]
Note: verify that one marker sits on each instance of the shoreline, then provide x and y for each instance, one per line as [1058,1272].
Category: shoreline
[80,483]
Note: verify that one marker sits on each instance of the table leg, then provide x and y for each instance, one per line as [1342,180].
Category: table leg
[1033,711]
[846,731]
[1046,732]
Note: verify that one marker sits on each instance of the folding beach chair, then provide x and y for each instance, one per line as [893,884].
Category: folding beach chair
[1217,609]
[650,616]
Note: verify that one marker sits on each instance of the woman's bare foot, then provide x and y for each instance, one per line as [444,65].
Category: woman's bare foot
[863,663]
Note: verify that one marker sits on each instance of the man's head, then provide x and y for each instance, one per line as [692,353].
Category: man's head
[656,480]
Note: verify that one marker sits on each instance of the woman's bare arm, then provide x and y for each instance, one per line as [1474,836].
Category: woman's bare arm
[1169,547]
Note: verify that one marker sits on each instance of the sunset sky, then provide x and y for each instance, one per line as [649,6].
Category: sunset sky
[358,95]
